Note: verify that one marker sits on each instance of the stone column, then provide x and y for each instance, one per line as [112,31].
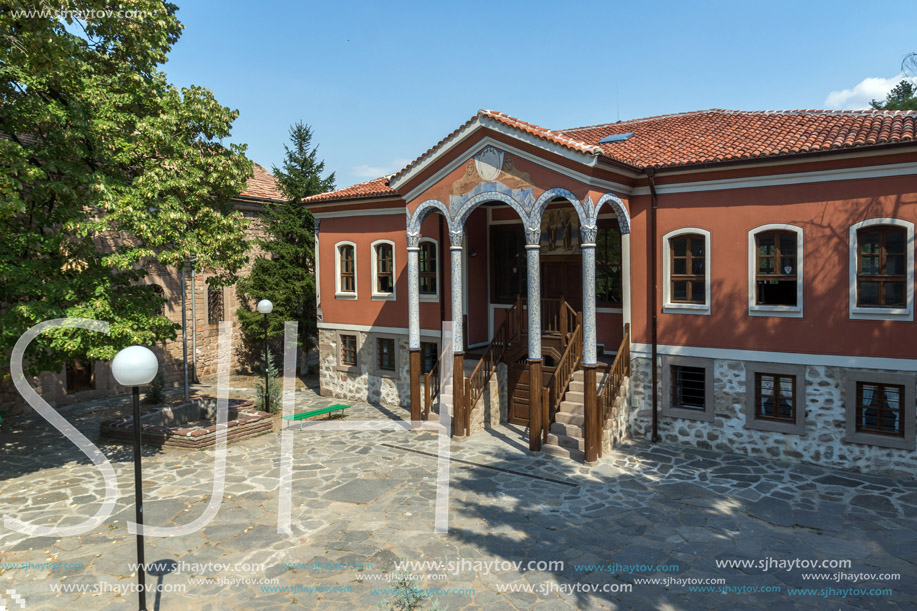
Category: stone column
[592,431]
[458,350]
[414,326]
[532,248]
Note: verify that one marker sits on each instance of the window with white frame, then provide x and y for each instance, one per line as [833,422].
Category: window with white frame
[345,270]
[686,271]
[383,265]
[881,280]
[428,269]
[775,281]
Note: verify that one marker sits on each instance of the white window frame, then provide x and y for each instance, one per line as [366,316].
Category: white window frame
[754,309]
[338,293]
[866,313]
[376,294]
[684,308]
[431,297]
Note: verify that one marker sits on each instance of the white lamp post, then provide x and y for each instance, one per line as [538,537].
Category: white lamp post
[266,307]
[135,366]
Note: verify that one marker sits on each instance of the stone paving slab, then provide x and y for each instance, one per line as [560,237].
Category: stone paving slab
[363,501]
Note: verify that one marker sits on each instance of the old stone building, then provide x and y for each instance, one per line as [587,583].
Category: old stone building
[204,309]
[730,280]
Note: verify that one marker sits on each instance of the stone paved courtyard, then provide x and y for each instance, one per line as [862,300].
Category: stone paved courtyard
[364,500]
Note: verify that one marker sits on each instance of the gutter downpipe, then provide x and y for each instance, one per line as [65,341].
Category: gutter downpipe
[654,205]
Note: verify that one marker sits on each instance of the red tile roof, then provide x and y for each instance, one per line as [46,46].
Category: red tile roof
[705,136]
[377,187]
[263,185]
[711,136]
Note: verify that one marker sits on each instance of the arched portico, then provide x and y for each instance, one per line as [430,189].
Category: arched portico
[467,194]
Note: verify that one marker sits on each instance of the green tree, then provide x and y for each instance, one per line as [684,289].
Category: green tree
[108,170]
[287,276]
[902,97]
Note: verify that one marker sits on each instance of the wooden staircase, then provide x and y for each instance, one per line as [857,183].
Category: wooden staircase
[566,432]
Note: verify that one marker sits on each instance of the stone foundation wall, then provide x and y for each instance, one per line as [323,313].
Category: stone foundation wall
[491,408]
[616,427]
[825,422]
[363,383]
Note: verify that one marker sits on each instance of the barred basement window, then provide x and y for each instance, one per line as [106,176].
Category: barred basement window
[385,354]
[214,306]
[879,409]
[349,350]
[775,397]
[688,387]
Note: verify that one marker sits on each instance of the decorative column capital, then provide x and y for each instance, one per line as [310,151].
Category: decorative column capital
[588,234]
[533,236]
[317,224]
[456,238]
[413,239]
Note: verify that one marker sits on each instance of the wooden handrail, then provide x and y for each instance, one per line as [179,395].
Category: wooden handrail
[557,386]
[430,388]
[620,369]
[507,332]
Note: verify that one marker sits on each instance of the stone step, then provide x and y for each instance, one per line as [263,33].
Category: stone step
[571,408]
[568,418]
[577,396]
[571,430]
[565,441]
[564,452]
[576,385]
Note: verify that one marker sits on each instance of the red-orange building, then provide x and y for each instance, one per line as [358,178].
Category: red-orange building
[765,259]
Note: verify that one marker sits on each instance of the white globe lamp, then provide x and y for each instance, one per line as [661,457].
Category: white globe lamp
[135,366]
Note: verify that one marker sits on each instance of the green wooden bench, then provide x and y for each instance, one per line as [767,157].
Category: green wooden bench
[340,407]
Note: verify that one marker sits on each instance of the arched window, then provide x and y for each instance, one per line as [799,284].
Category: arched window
[346,270]
[686,266]
[882,270]
[383,263]
[775,286]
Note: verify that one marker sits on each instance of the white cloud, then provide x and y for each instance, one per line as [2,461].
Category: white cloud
[858,98]
[375,171]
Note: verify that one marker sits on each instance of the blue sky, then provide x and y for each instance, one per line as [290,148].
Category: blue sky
[381,82]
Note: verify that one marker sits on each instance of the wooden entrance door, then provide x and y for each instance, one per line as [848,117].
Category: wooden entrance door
[563,278]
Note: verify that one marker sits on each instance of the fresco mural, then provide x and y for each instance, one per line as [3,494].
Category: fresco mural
[492,170]
[560,232]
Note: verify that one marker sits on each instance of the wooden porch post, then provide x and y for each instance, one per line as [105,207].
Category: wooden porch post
[535,387]
[592,431]
[415,385]
[458,394]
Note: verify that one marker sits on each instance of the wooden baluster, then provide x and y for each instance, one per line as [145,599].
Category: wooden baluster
[426,395]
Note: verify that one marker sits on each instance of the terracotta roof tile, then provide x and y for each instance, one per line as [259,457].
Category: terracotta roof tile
[705,136]
[377,187]
[724,135]
[262,185]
